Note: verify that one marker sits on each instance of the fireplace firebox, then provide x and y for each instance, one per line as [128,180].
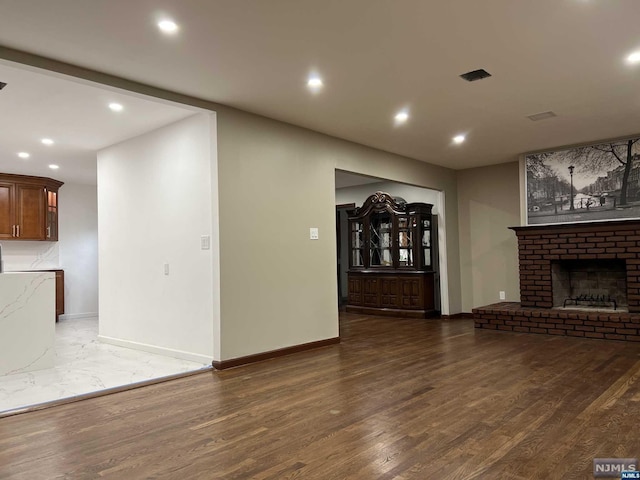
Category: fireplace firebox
[596,284]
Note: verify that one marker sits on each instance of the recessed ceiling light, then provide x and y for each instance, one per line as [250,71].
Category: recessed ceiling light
[401,117]
[168,26]
[23,155]
[633,58]
[54,167]
[116,107]
[47,141]
[315,83]
[458,139]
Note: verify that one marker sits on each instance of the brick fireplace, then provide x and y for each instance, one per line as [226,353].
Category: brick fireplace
[592,269]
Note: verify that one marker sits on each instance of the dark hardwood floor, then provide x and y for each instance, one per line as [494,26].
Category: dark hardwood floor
[397,399]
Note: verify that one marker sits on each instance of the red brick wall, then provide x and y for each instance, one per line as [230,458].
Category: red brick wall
[539,245]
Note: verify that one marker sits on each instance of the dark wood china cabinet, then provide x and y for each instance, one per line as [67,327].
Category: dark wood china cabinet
[392,258]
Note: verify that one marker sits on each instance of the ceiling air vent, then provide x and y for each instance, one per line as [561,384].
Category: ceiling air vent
[541,116]
[2,85]
[475,75]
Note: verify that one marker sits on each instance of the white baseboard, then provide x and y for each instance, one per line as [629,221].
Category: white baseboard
[73,316]
[168,352]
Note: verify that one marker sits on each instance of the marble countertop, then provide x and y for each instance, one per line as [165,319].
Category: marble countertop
[19,272]
[34,270]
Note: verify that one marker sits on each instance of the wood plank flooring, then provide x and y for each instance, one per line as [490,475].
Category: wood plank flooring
[398,399]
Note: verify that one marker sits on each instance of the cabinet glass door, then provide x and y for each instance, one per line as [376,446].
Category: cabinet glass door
[405,242]
[380,240]
[7,211]
[357,244]
[52,215]
[426,242]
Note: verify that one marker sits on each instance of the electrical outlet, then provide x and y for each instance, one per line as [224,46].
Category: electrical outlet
[502,295]
[313,233]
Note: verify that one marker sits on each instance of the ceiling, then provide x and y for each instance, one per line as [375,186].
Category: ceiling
[75,116]
[375,57]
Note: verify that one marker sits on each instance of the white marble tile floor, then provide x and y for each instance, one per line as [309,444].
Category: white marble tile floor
[84,365]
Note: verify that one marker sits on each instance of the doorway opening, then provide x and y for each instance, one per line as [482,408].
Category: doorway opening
[75,115]
[342,213]
[352,190]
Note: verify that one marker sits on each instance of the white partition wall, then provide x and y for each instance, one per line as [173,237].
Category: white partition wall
[78,239]
[277,181]
[156,202]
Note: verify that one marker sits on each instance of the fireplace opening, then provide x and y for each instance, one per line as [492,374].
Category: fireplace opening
[589,284]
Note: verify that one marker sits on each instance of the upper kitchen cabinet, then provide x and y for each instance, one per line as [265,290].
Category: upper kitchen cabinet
[28,208]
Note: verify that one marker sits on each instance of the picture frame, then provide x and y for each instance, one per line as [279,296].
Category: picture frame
[594,182]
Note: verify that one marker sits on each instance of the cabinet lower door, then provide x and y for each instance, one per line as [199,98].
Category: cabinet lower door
[412,293]
[370,293]
[355,291]
[389,293]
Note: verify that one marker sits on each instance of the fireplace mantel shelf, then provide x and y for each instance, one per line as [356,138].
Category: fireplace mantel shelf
[580,227]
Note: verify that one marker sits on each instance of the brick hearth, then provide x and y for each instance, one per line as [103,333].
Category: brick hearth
[514,317]
[538,247]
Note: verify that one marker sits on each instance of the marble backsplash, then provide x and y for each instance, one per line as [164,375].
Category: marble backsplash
[21,256]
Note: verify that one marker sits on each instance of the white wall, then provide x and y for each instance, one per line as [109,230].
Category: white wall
[489,203]
[156,200]
[278,287]
[78,247]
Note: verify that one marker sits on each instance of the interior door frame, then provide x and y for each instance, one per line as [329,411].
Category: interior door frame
[339,240]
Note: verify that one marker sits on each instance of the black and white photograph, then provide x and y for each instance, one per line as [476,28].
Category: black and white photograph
[583,184]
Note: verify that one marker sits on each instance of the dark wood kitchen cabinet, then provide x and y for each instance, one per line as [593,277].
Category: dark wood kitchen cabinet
[28,208]
[59,293]
[392,258]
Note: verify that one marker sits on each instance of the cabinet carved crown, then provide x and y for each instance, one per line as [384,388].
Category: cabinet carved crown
[381,201]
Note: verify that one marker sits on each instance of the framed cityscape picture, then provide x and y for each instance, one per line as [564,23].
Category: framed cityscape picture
[589,183]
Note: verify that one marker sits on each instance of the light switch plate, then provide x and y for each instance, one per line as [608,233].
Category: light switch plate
[166,269]
[313,233]
[205,242]
[502,295]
